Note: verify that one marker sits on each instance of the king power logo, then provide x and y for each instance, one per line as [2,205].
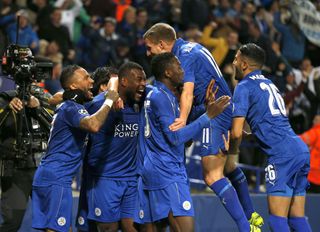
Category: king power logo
[126,130]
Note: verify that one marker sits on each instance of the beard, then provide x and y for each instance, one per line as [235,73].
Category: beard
[237,73]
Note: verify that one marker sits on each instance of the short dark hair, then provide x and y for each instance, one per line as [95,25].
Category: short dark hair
[255,53]
[160,63]
[67,74]
[102,76]
[125,69]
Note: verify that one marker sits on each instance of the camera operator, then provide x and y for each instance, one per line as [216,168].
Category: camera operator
[17,159]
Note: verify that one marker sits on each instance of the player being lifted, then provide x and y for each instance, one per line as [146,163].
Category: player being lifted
[199,69]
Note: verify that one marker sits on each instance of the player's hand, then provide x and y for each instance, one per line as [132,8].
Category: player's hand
[226,141]
[118,105]
[16,105]
[216,107]
[211,95]
[178,124]
[112,95]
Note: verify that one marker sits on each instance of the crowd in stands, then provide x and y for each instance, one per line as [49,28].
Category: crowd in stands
[95,33]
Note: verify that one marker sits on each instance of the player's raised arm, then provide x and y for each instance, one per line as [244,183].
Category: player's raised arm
[93,122]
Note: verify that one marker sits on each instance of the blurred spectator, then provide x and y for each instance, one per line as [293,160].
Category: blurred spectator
[102,8]
[82,21]
[51,50]
[245,19]
[123,52]
[224,14]
[42,9]
[159,11]
[70,9]
[220,46]
[260,18]
[139,49]
[193,34]
[121,7]
[278,77]
[297,104]
[59,33]
[312,139]
[53,85]
[262,40]
[312,89]
[190,13]
[126,27]
[7,16]
[27,37]
[97,48]
[292,39]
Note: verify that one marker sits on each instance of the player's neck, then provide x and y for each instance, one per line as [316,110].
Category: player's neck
[169,85]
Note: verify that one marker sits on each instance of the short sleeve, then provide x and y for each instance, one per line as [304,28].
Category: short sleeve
[74,113]
[240,101]
[189,66]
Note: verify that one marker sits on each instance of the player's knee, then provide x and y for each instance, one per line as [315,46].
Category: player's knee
[128,227]
[212,177]
[107,227]
[230,167]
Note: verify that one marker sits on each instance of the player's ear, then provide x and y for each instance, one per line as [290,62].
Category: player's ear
[168,73]
[124,81]
[244,65]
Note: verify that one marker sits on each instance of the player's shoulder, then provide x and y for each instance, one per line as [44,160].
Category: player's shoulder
[190,49]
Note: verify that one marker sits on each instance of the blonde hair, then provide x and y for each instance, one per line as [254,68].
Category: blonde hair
[160,31]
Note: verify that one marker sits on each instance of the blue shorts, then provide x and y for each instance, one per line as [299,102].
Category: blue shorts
[52,207]
[287,176]
[82,215]
[211,137]
[175,197]
[111,200]
[142,214]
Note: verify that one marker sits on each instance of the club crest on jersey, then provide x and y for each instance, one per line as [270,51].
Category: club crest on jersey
[61,221]
[97,211]
[186,205]
[82,111]
[141,214]
[80,220]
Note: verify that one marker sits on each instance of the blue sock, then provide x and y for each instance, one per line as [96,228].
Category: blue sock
[239,182]
[299,224]
[230,201]
[278,224]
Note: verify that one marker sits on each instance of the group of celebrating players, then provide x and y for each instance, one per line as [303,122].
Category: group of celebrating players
[134,176]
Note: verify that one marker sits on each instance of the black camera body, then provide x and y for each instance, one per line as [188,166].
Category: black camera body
[19,63]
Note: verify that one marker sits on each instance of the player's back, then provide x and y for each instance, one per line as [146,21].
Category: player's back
[200,68]
[266,114]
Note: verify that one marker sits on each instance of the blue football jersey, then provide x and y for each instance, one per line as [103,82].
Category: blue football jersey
[258,100]
[65,147]
[163,149]
[113,150]
[200,68]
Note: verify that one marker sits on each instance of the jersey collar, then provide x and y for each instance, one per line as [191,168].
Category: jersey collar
[162,86]
[255,72]
[176,46]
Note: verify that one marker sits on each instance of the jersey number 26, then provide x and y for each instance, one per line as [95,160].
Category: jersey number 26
[276,103]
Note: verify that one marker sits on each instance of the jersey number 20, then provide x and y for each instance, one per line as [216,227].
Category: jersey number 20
[276,103]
